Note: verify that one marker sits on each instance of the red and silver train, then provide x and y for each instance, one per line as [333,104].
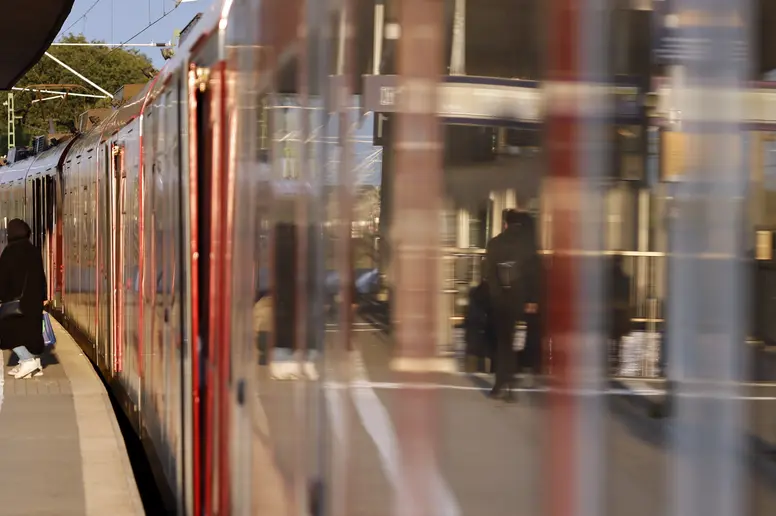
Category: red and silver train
[143,224]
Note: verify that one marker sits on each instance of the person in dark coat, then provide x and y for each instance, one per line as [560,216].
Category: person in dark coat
[477,325]
[512,272]
[22,274]
[530,358]
[619,304]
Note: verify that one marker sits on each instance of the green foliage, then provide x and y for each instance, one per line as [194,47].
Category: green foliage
[110,68]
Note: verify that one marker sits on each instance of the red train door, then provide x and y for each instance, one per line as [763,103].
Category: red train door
[117,184]
[203,312]
[197,113]
[210,355]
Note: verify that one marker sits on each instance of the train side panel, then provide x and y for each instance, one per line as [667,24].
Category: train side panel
[76,224]
[162,353]
[169,205]
[148,322]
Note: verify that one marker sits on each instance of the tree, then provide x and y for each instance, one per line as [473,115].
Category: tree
[109,68]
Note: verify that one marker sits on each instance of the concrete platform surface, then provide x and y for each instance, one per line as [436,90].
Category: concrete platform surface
[61,449]
[488,457]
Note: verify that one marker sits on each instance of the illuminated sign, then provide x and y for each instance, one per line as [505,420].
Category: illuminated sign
[683,35]
[757,105]
[473,100]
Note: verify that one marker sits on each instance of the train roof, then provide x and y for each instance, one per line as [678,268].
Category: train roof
[43,164]
[47,162]
[117,120]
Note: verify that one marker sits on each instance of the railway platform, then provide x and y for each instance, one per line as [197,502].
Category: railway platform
[651,397]
[61,449]
[490,454]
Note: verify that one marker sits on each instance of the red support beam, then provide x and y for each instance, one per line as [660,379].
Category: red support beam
[563,138]
[417,201]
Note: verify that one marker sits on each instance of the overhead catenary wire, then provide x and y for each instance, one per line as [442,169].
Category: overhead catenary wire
[127,42]
[151,24]
[81,17]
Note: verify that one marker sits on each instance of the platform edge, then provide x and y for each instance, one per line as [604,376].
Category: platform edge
[88,394]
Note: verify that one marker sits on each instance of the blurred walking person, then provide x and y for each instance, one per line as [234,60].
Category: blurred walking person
[512,272]
[22,294]
[619,304]
[478,329]
[530,358]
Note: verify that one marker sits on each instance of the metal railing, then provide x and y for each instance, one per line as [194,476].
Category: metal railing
[461,270]
[647,272]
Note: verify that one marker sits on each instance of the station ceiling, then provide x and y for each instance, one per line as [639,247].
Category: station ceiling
[29,27]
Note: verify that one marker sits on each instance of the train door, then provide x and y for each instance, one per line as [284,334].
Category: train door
[104,287]
[50,245]
[35,210]
[115,182]
[35,223]
[42,226]
[199,224]
[207,105]
[41,213]
[58,209]
[101,223]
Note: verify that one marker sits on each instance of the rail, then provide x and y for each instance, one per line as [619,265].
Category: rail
[647,272]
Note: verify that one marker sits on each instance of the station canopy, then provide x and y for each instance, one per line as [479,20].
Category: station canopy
[29,27]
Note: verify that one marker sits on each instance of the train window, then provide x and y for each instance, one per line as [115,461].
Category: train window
[35,211]
[39,213]
[467,144]
[34,197]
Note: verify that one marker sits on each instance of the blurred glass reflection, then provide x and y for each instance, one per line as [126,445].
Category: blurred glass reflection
[391,141]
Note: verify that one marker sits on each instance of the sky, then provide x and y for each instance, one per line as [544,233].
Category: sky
[115,21]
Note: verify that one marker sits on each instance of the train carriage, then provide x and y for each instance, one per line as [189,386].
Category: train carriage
[131,213]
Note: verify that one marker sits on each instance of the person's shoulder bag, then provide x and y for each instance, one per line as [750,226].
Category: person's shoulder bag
[13,308]
[509,270]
